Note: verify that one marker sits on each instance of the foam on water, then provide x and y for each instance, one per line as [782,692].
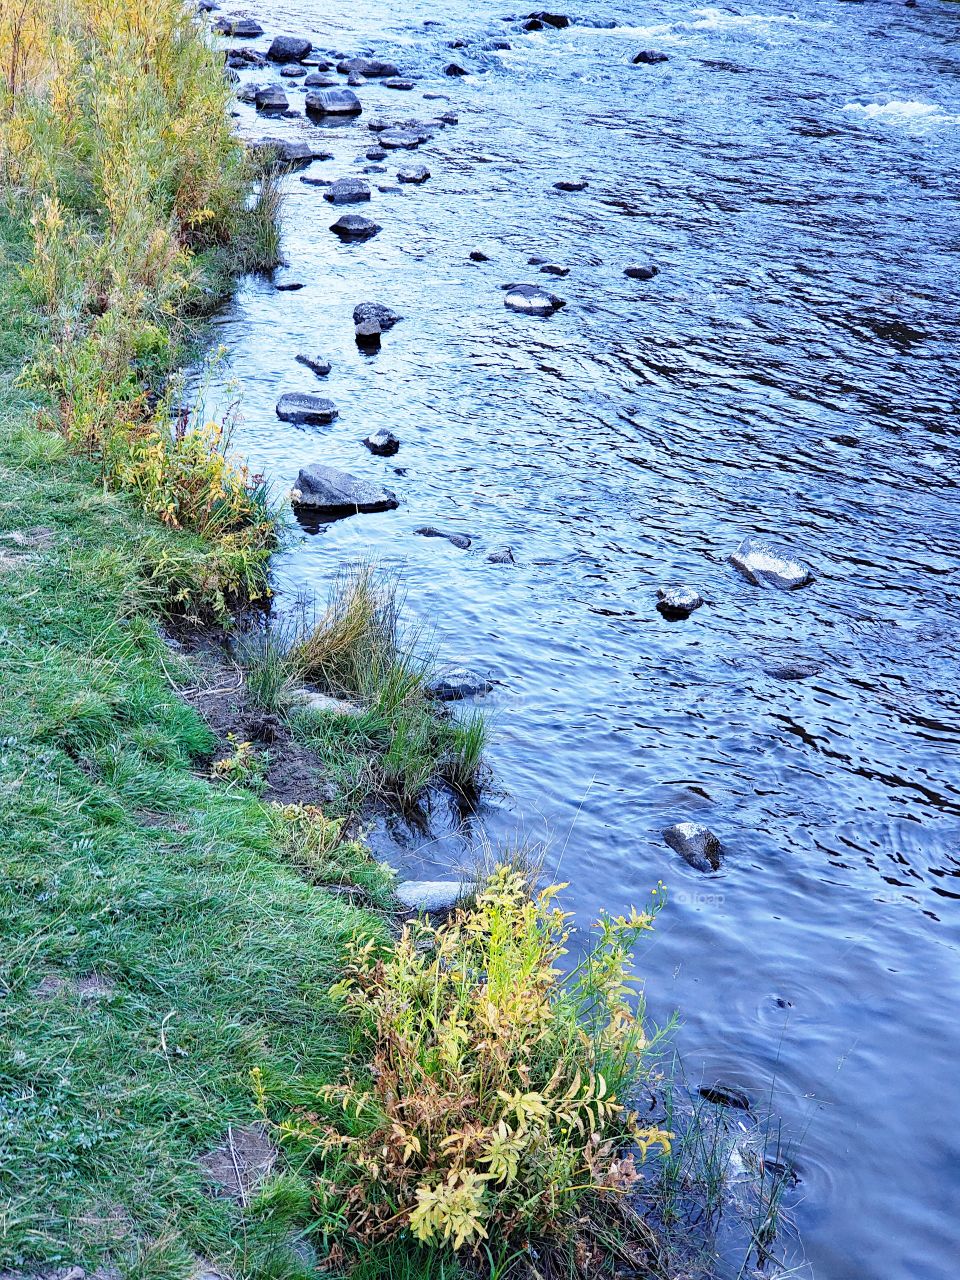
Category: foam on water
[903,112]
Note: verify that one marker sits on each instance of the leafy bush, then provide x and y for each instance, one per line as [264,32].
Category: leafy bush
[494,1112]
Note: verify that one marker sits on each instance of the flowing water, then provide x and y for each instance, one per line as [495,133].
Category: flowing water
[791,372]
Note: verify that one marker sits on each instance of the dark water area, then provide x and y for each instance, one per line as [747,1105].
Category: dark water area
[792,372]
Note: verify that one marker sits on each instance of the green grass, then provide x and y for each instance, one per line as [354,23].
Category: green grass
[209,950]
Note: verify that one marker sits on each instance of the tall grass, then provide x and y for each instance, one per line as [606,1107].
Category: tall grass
[115,145]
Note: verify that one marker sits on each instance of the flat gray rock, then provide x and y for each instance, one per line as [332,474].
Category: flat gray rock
[765,566]
[432,895]
[371,68]
[453,683]
[416,174]
[300,406]
[333,102]
[353,226]
[347,191]
[641,271]
[320,80]
[696,844]
[395,82]
[400,139]
[531,300]
[271,98]
[329,492]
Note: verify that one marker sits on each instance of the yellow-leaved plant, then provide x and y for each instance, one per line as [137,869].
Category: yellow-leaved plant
[487,1101]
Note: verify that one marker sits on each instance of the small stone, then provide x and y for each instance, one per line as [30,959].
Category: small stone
[765,566]
[400,139]
[395,82]
[354,227]
[315,364]
[384,316]
[376,153]
[318,80]
[455,69]
[477,255]
[460,540]
[288,49]
[382,442]
[502,555]
[801,669]
[453,683]
[333,102]
[556,20]
[648,57]
[678,602]
[726,1095]
[432,895]
[367,335]
[571,184]
[293,71]
[641,271]
[554,269]
[415,175]
[696,844]
[289,286]
[300,406]
[348,191]
[531,300]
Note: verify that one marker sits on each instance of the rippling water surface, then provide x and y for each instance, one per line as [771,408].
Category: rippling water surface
[792,372]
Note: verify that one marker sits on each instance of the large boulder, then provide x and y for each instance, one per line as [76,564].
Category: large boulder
[353,226]
[331,493]
[301,406]
[289,49]
[453,683]
[348,191]
[333,102]
[371,68]
[765,566]
[696,844]
[455,69]
[375,312]
[532,300]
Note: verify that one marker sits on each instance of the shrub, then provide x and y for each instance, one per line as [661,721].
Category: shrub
[495,1106]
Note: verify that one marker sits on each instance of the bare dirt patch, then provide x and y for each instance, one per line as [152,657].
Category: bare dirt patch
[241,1162]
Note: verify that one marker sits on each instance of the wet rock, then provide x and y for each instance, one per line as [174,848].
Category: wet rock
[497,46]
[477,255]
[678,602]
[372,68]
[535,260]
[316,364]
[320,80]
[800,669]
[315,182]
[455,69]
[571,184]
[696,844]
[382,442]
[332,493]
[248,92]
[271,98]
[288,49]
[390,189]
[246,57]
[460,540]
[367,335]
[292,71]
[376,153]
[502,555]
[288,151]
[348,191]
[432,895]
[449,117]
[400,139]
[355,79]
[395,82]
[554,269]
[725,1095]
[333,102]
[641,271]
[301,406]
[241,28]
[288,286]
[352,226]
[377,312]
[532,24]
[647,57]
[457,44]
[556,20]
[453,683]
[765,566]
[374,168]
[532,300]
[417,174]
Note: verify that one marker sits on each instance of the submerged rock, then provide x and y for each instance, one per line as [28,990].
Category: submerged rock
[800,669]
[395,82]
[502,555]
[725,1095]
[571,184]
[288,49]
[348,191]
[382,442]
[477,255]
[316,364]
[532,300]
[641,271]
[372,68]
[301,406]
[556,20]
[355,80]
[332,493]
[417,174]
[293,70]
[455,69]
[648,57]
[365,312]
[554,269]
[432,895]
[678,602]
[333,102]
[697,845]
[460,540]
[353,226]
[765,566]
[454,683]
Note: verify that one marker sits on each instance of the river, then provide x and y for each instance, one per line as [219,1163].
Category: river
[792,372]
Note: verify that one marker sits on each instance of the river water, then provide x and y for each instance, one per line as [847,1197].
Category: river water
[791,372]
